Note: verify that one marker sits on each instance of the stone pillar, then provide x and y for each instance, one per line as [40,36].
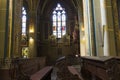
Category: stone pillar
[86,27]
[116,25]
[10,27]
[106,41]
[104,26]
[3,12]
[87,31]
[107,23]
[80,25]
[17,28]
[8,30]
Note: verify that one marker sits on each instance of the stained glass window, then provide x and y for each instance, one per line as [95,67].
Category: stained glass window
[24,18]
[59,21]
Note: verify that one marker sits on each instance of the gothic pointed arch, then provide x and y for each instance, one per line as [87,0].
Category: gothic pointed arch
[59,21]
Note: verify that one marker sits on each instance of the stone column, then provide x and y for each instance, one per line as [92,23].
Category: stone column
[3,12]
[10,27]
[106,41]
[104,26]
[107,23]
[116,25]
[8,31]
[80,25]
[17,28]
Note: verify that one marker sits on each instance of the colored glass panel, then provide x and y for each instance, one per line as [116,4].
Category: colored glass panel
[59,21]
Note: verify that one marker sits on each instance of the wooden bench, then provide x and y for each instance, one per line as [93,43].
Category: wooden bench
[74,71]
[43,74]
[65,71]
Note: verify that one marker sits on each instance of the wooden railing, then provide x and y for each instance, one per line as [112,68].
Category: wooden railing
[100,68]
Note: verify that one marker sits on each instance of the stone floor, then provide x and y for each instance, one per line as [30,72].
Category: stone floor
[54,74]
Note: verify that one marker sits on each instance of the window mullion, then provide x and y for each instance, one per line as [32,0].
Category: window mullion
[60,22]
[57,25]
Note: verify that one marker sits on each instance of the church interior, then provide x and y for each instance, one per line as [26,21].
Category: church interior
[60,39]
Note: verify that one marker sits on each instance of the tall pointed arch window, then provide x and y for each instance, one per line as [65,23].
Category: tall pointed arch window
[24,19]
[24,38]
[59,21]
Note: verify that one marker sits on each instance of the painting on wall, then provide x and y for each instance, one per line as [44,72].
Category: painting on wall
[25,52]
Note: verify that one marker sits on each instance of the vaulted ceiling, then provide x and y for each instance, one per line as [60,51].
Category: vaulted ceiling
[46,6]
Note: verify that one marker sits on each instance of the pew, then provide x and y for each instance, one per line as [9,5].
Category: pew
[100,68]
[43,74]
[66,71]
[21,69]
[74,71]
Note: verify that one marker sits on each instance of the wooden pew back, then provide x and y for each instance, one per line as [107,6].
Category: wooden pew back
[100,68]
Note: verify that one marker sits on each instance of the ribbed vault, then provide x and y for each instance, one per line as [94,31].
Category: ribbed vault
[46,6]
